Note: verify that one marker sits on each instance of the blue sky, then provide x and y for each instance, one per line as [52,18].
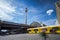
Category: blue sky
[42,11]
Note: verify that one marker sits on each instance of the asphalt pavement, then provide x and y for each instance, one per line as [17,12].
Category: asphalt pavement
[30,37]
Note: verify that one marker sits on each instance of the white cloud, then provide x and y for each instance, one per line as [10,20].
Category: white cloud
[49,12]
[4,16]
[50,22]
[5,6]
[36,18]
[33,10]
[5,10]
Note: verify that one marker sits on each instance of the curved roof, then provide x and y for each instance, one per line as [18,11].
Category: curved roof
[35,24]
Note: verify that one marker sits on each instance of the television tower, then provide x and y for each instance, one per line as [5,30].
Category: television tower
[26,10]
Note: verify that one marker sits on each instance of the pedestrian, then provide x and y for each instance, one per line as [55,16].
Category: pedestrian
[43,33]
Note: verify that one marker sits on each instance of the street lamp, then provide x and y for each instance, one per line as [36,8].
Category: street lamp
[26,10]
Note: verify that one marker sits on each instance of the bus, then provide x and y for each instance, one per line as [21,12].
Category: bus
[49,30]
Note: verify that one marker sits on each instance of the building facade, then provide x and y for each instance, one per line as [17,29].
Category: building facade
[58,11]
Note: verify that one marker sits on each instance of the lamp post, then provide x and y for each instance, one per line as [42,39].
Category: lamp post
[26,10]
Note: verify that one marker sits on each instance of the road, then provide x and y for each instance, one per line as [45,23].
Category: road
[30,37]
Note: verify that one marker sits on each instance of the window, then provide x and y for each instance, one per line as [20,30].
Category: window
[29,30]
[35,29]
[44,29]
[56,28]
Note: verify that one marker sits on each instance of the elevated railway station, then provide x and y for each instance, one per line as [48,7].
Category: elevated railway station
[13,28]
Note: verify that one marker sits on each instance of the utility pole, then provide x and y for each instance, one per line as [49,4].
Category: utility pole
[26,10]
